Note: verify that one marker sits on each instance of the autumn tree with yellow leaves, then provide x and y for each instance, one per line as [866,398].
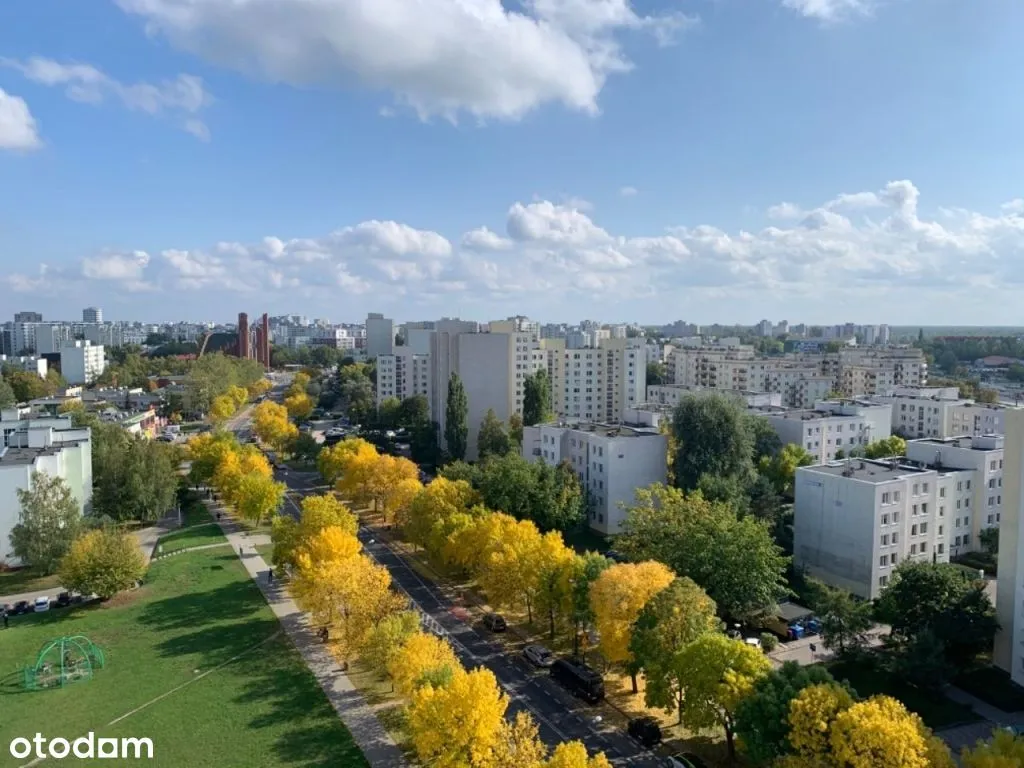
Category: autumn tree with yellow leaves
[617,596]
[299,406]
[271,425]
[420,657]
[1003,750]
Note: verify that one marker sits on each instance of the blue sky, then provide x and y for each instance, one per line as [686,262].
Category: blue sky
[715,160]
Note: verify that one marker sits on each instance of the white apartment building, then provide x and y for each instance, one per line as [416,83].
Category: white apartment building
[50,337]
[53,446]
[831,426]
[23,336]
[598,384]
[444,360]
[92,315]
[30,363]
[670,395]
[380,335]
[403,374]
[1008,653]
[82,362]
[979,505]
[856,520]
[611,461]
[940,412]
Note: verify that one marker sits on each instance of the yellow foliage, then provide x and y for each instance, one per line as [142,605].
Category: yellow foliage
[572,754]
[425,521]
[939,756]
[222,409]
[239,395]
[319,512]
[458,725]
[879,731]
[421,654]
[811,715]
[518,744]
[1003,750]
[399,497]
[383,480]
[270,423]
[258,496]
[206,452]
[299,406]
[258,388]
[618,595]
[350,465]
[508,572]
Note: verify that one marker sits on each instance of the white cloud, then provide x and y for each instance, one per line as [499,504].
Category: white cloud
[184,96]
[875,247]
[17,126]
[629,192]
[438,57]
[830,11]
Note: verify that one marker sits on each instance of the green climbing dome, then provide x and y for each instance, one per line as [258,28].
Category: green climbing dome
[64,661]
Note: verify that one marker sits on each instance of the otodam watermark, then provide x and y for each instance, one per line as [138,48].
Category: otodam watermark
[85,747]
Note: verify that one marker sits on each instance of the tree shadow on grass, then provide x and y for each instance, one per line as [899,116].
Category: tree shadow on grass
[232,602]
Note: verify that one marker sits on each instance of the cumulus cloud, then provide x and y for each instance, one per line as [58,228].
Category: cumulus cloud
[437,57]
[830,11]
[628,192]
[870,244]
[17,126]
[184,96]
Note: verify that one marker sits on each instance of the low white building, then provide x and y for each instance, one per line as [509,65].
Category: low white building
[940,412]
[611,461]
[82,362]
[831,426]
[50,445]
[671,394]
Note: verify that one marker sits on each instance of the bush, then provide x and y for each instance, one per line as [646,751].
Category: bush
[769,642]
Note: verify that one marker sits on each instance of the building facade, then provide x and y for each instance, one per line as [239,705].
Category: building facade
[1008,653]
[92,315]
[611,462]
[832,426]
[380,335]
[82,362]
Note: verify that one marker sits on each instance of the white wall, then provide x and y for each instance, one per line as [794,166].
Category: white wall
[486,372]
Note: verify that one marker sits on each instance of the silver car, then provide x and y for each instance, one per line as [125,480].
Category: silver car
[539,656]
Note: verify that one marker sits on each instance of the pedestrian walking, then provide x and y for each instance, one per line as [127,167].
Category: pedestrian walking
[240,552]
[270,575]
[7,620]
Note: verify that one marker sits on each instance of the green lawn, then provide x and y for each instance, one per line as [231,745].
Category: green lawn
[266,551]
[935,709]
[197,611]
[25,580]
[196,536]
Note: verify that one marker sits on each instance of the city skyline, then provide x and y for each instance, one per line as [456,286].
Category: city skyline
[716,159]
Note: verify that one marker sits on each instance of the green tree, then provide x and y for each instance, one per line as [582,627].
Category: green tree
[943,599]
[712,438]
[586,568]
[27,386]
[133,478]
[413,412]
[536,398]
[49,521]
[845,620]
[886,447]
[989,540]
[515,429]
[762,719]
[387,412]
[656,374]
[456,431]
[734,559]
[102,562]
[492,440]
[7,398]
[766,439]
[386,639]
[671,620]
[781,469]
[305,447]
[549,496]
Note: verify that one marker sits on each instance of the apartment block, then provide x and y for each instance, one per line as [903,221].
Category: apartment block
[598,383]
[31,363]
[670,395]
[82,362]
[856,520]
[403,374]
[832,426]
[380,335]
[611,461]
[940,412]
[1008,653]
[53,446]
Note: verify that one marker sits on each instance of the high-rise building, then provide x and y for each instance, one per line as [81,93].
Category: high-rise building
[244,346]
[92,315]
[265,340]
[380,335]
[28,317]
[81,362]
[1009,646]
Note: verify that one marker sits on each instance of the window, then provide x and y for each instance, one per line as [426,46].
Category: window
[913,549]
[967,522]
[892,559]
[992,465]
[991,519]
[917,489]
[924,528]
[885,539]
[942,511]
[883,581]
[886,498]
[967,503]
[913,510]
[942,548]
[992,483]
[967,539]
[895,538]
[885,519]
[991,500]
[940,530]
[960,485]
[913,530]
[895,495]
[956,542]
[924,488]
[957,523]
[883,561]
[896,516]
[924,509]
[968,485]
[924,547]
[942,493]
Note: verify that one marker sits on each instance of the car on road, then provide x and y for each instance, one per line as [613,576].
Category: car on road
[685,760]
[579,679]
[645,730]
[495,622]
[538,655]
[41,604]
[20,607]
[63,599]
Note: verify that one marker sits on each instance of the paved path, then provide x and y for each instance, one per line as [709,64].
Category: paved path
[375,742]
[961,736]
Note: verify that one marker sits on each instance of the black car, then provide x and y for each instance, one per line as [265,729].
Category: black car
[21,607]
[645,730]
[63,599]
[495,622]
[580,680]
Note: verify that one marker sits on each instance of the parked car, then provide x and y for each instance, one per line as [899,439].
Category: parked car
[615,557]
[539,656]
[686,760]
[41,604]
[579,679]
[645,730]
[21,607]
[63,599]
[495,622]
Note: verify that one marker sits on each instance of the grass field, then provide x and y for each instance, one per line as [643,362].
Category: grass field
[197,611]
[195,536]
[25,580]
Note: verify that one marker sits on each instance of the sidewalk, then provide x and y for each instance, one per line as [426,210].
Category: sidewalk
[376,743]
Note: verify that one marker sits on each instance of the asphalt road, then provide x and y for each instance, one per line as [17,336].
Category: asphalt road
[559,716]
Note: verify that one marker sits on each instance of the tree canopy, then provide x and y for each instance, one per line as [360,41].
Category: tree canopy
[48,522]
[456,430]
[712,438]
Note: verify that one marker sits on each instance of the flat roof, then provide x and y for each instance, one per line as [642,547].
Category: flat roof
[866,470]
[605,430]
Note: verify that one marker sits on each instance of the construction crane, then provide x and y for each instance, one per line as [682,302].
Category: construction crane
[205,341]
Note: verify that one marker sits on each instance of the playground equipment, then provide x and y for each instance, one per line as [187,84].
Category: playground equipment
[63,661]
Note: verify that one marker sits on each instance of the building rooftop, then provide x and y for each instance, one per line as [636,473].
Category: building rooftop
[867,470]
[980,443]
[605,430]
